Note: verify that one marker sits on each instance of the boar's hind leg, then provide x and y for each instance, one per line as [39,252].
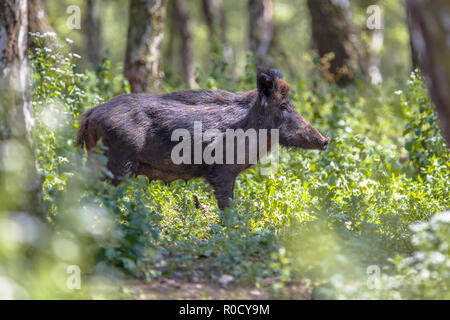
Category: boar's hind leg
[223,186]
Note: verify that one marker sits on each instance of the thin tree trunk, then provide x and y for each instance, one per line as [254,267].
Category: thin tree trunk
[143,62]
[20,185]
[93,31]
[261,30]
[170,38]
[371,45]
[414,58]
[429,32]
[38,22]
[371,42]
[215,19]
[371,55]
[332,32]
[182,23]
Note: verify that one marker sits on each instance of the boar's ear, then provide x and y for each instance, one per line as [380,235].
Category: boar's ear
[266,82]
[277,73]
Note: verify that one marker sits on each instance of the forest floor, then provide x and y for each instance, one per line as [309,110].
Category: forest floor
[169,289]
[162,290]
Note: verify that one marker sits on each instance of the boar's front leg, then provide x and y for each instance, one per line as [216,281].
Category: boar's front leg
[223,185]
[120,165]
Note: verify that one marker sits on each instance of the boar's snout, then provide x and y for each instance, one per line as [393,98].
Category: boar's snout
[317,141]
[301,134]
[310,138]
[325,144]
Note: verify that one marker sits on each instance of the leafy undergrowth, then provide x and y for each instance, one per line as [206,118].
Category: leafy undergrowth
[338,222]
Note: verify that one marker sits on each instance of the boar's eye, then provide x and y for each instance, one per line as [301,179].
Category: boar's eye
[284,106]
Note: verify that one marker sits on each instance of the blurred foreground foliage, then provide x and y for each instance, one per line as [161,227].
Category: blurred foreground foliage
[360,220]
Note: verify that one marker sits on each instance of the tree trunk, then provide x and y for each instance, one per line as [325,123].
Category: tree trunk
[261,30]
[414,58]
[93,31]
[370,63]
[371,43]
[332,32]
[215,20]
[182,23]
[143,62]
[38,22]
[429,32]
[170,38]
[20,186]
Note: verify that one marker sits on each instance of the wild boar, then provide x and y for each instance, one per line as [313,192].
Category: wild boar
[139,132]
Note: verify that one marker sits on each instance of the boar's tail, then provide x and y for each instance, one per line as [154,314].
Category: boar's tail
[83,131]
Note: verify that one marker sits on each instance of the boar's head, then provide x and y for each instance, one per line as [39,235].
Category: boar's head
[273,99]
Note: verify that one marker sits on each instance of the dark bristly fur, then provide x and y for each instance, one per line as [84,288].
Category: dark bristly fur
[137,129]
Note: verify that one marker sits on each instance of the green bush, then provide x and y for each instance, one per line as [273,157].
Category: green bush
[426,273]
[99,213]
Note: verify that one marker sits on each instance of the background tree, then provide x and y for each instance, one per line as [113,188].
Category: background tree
[371,41]
[93,31]
[261,30]
[143,61]
[216,21]
[332,32]
[16,119]
[429,33]
[414,58]
[38,20]
[182,26]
